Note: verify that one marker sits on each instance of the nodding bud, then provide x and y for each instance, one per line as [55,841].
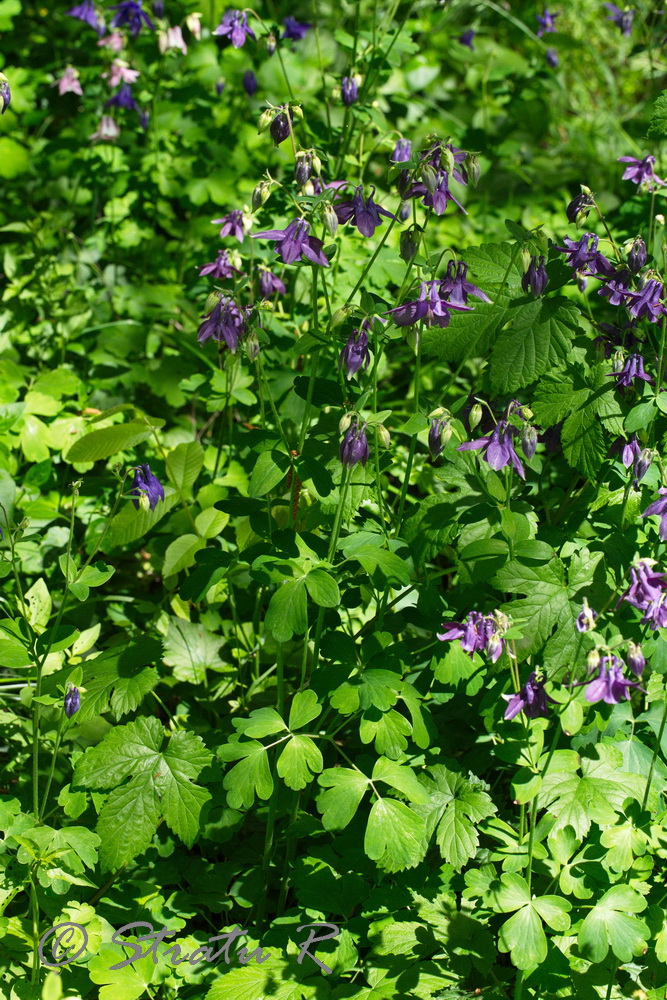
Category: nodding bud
[296,111]
[330,220]
[303,167]
[475,416]
[261,194]
[383,435]
[413,338]
[637,255]
[144,502]
[618,362]
[579,207]
[265,120]
[429,177]
[409,242]
[582,282]
[635,659]
[526,259]
[211,302]
[345,422]
[473,169]
[340,315]
[404,211]
[526,412]
[593,661]
[660,219]
[5,93]
[440,411]
[72,702]
[317,164]
[494,647]
[251,345]
[447,158]
[280,128]
[271,44]
[643,464]
[529,441]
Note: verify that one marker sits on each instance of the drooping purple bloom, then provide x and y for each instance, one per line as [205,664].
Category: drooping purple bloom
[621,18]
[5,93]
[535,279]
[610,685]
[72,702]
[583,255]
[647,587]
[232,224]
[362,212]
[234,27]
[348,90]
[294,243]
[432,308]
[402,151]
[579,207]
[586,618]
[643,463]
[616,289]
[270,284]
[131,13]
[147,490]
[441,196]
[220,267]
[467,37]
[226,322]
[456,288]
[531,699]
[636,659]
[86,12]
[436,436]
[552,58]
[354,446]
[546,21]
[123,99]
[476,634]
[637,255]
[498,448]
[634,368]
[659,507]
[631,451]
[355,353]
[647,302]
[641,171]
[250,83]
[280,127]
[295,30]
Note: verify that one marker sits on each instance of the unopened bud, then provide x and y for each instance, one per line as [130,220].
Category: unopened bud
[303,167]
[271,44]
[345,422]
[413,338]
[260,195]
[252,346]
[297,111]
[429,177]
[265,119]
[529,441]
[409,243]
[582,282]
[439,411]
[211,302]
[383,435]
[526,259]
[330,220]
[593,661]
[473,169]
[317,164]
[340,315]
[144,501]
[618,362]
[447,157]
[660,219]
[475,416]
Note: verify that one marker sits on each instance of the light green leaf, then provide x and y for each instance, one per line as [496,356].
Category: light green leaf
[270,470]
[128,983]
[609,924]
[191,650]
[455,808]
[304,709]
[106,442]
[299,761]
[250,777]
[401,777]
[184,464]
[261,722]
[523,936]
[323,589]
[389,730]
[394,836]
[345,790]
[287,613]
[181,553]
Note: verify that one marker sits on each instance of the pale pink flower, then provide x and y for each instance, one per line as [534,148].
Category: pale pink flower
[68,82]
[108,129]
[172,38]
[114,41]
[120,73]
[193,22]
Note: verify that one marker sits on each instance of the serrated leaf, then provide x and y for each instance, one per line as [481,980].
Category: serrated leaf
[537,337]
[455,808]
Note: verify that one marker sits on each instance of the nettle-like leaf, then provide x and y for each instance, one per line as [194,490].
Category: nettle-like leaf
[454,810]
[612,924]
[161,785]
[523,934]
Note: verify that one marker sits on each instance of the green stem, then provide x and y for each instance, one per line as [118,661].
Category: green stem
[333,542]
[413,440]
[56,748]
[663,721]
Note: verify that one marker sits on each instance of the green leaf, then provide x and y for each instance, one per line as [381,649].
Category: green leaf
[128,983]
[131,524]
[181,553]
[106,442]
[382,566]
[388,729]
[250,777]
[38,604]
[184,464]
[299,761]
[658,121]
[261,722]
[119,678]
[270,470]
[402,778]
[287,613]
[191,650]
[304,709]
[394,836]
[326,391]
[609,924]
[546,604]
[323,589]
[345,790]
[455,808]
[523,936]
[537,337]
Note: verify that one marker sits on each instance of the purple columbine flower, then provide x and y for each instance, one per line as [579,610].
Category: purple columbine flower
[546,21]
[362,212]
[402,151]
[147,490]
[294,243]
[617,290]
[466,38]
[220,267]
[250,83]
[5,93]
[270,284]
[641,171]
[348,90]
[475,632]
[647,302]
[432,308]
[130,13]
[631,451]
[586,618]
[295,30]
[636,660]
[226,322]
[436,434]
[123,99]
[621,18]
[610,685]
[72,702]
[498,448]
[634,368]
[355,353]
[579,207]
[643,463]
[647,586]
[86,12]
[535,279]
[354,446]
[440,198]
[583,255]
[531,699]
[659,507]
[552,58]
[637,255]
[232,225]
[456,288]
[234,27]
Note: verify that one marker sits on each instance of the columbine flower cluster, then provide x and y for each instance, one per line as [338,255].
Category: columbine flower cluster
[647,593]
[479,633]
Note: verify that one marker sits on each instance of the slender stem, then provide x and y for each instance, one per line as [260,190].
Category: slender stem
[413,440]
[56,748]
[34,901]
[655,755]
[333,541]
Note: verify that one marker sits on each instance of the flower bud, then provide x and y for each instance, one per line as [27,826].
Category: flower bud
[429,177]
[413,338]
[579,207]
[252,346]
[383,435]
[271,44]
[526,259]
[317,164]
[660,219]
[475,416]
[5,93]
[448,161]
[637,255]
[144,502]
[303,167]
[72,702]
[279,128]
[340,315]
[261,194]
[409,242]
[618,362]
[439,411]
[635,659]
[404,211]
[593,661]
[330,220]
[211,302]
[529,441]
[473,168]
[345,422]
[582,282]
[265,120]
[494,647]
[643,464]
